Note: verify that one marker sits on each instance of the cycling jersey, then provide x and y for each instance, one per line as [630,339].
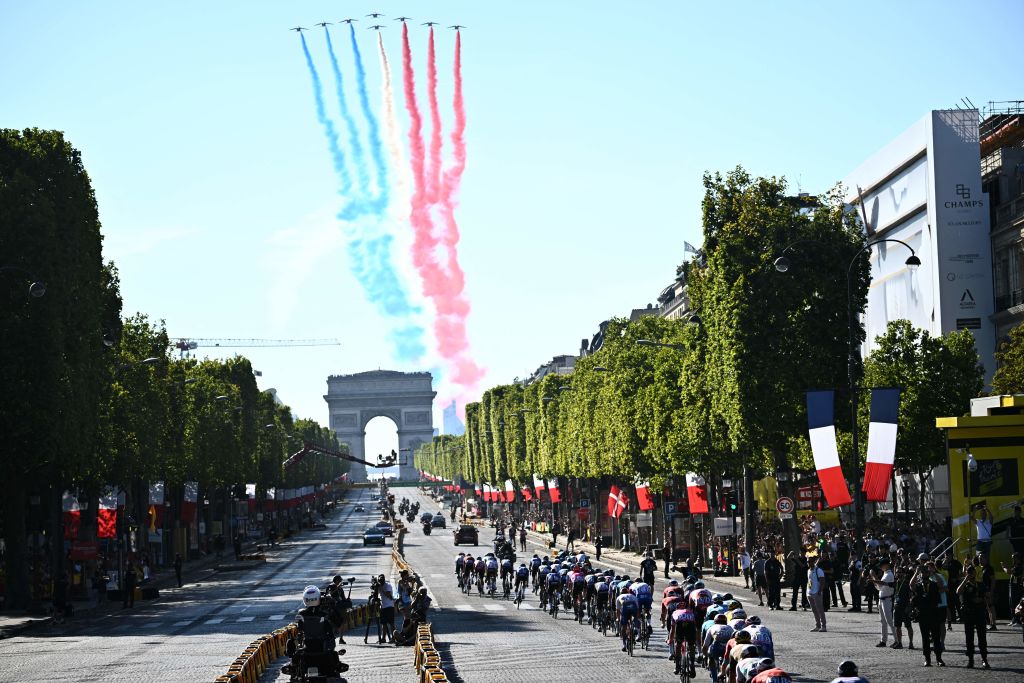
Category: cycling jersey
[480,566]
[535,563]
[762,637]
[627,606]
[643,594]
[554,580]
[738,624]
[492,566]
[714,611]
[701,599]
[522,573]
[459,562]
[776,675]
[506,566]
[747,668]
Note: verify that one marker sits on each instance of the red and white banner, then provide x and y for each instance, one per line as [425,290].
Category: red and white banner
[553,491]
[696,493]
[106,515]
[885,408]
[538,485]
[487,493]
[616,502]
[190,502]
[72,515]
[644,499]
[510,491]
[479,488]
[822,432]
[527,493]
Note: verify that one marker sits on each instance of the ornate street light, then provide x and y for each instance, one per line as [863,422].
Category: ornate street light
[36,287]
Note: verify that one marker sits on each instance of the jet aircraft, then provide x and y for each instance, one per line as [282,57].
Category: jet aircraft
[402,19]
[323,24]
[457,26]
[298,29]
[375,15]
[429,23]
[376,27]
[348,21]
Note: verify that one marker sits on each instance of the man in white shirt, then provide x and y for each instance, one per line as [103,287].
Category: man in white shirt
[815,588]
[387,610]
[745,565]
[983,524]
[886,588]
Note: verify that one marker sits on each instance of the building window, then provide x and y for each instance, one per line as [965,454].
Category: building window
[1008,276]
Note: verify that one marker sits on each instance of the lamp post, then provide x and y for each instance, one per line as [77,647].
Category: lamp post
[972,467]
[782,265]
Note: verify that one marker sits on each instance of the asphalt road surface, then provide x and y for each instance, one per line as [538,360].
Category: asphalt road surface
[194,633]
[489,640]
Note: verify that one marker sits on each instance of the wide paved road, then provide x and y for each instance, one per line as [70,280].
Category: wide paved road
[491,641]
[194,633]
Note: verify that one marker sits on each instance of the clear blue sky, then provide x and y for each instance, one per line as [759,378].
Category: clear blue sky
[590,125]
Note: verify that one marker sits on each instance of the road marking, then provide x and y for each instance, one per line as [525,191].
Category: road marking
[276,617]
[526,605]
[494,608]
[464,608]
[438,576]
[211,622]
[245,619]
[183,622]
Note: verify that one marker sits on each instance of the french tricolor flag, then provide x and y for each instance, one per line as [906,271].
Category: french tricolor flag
[510,491]
[696,493]
[553,490]
[885,407]
[821,424]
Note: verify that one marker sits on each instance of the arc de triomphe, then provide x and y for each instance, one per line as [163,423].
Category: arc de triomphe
[405,397]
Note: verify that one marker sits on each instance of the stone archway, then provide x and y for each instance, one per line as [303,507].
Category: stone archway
[405,397]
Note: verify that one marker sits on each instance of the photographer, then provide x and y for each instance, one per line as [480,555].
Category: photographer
[383,592]
[974,614]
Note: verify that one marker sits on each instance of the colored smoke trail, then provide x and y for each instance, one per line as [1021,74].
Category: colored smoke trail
[321,115]
[391,127]
[434,169]
[373,130]
[358,159]
[466,373]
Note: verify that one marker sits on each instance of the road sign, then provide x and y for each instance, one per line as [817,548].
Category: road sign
[584,502]
[644,519]
[670,508]
[583,514]
[785,506]
[724,526]
[785,515]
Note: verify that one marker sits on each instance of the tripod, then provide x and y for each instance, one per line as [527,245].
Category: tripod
[373,615]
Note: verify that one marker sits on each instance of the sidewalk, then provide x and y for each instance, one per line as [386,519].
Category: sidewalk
[13,623]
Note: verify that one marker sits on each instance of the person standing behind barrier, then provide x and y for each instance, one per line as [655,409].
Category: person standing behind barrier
[797,567]
[387,610]
[815,590]
[885,584]
[974,615]
[522,538]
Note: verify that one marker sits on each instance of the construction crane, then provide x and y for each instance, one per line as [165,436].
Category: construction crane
[186,344]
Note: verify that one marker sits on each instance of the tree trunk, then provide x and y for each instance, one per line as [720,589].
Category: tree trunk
[18,588]
[790,529]
[922,479]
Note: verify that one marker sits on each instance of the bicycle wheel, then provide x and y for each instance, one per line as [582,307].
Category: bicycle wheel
[629,640]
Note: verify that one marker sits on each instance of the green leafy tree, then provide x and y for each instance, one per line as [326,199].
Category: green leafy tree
[937,376]
[1009,376]
[51,348]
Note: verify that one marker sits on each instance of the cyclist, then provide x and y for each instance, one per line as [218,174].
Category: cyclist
[534,569]
[714,645]
[627,608]
[468,567]
[460,562]
[481,568]
[589,593]
[669,604]
[749,667]
[602,591]
[683,630]
[734,651]
[491,569]
[700,600]
[772,675]
[761,636]
[554,584]
[672,587]
[645,598]
[507,569]
[522,578]
[848,673]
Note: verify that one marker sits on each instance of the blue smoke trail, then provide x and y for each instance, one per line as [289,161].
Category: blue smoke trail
[321,115]
[353,132]
[376,148]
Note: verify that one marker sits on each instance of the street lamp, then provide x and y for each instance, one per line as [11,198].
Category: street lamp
[36,287]
[782,265]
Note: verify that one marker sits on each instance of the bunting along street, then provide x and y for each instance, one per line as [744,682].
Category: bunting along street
[490,640]
[194,633]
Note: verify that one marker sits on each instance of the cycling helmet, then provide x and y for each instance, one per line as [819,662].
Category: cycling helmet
[545,558]
[673,582]
[738,614]
[742,637]
[717,599]
[754,621]
[720,619]
[535,555]
[737,624]
[311,596]
[625,577]
[727,596]
[522,564]
[847,668]
[734,604]
[699,584]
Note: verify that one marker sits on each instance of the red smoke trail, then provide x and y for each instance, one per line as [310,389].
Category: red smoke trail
[434,172]
[466,372]
[442,285]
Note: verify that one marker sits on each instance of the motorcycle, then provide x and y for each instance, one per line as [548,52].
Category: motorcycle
[313,663]
[411,517]
[426,528]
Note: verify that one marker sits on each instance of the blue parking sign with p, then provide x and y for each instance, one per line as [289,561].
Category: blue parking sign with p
[670,508]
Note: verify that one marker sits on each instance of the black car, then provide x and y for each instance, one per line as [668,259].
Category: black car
[438,522]
[467,533]
[374,536]
[385,528]
[359,508]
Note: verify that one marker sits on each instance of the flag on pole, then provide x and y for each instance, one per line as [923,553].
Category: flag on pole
[106,515]
[190,501]
[696,493]
[72,516]
[538,485]
[553,490]
[885,407]
[687,247]
[616,502]
[527,494]
[822,429]
[644,499]
[510,491]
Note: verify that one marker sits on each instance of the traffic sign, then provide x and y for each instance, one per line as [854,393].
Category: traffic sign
[583,514]
[785,506]
[670,508]
[584,502]
[785,515]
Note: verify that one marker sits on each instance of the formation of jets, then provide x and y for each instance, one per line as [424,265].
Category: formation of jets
[375,27]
